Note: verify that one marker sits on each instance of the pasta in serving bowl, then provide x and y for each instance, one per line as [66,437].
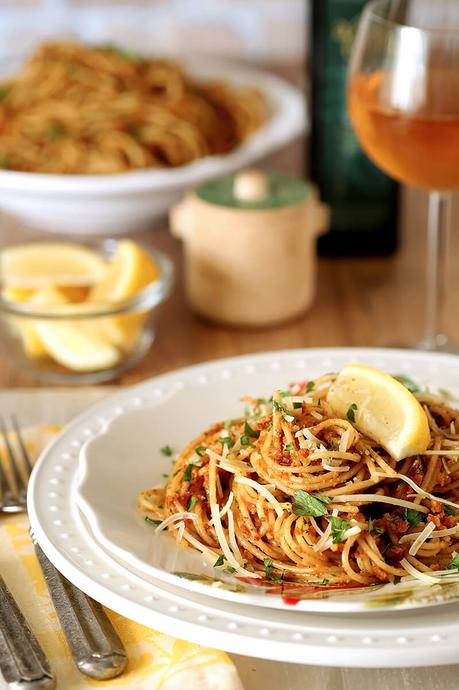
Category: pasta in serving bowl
[96,140]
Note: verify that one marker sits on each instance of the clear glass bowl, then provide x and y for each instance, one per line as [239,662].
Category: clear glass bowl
[130,324]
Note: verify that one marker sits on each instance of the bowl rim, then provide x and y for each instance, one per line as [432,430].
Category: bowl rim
[287,120]
[147,299]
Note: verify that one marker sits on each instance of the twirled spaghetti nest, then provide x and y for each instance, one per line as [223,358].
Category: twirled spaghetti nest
[295,494]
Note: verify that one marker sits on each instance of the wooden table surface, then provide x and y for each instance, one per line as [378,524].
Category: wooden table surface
[377,301]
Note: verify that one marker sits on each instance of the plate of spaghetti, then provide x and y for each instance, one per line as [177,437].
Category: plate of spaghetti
[285,498]
[83,122]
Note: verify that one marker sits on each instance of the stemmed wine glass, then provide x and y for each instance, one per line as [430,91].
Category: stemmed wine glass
[403,101]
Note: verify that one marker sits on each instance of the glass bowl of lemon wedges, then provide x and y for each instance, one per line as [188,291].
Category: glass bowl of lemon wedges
[75,313]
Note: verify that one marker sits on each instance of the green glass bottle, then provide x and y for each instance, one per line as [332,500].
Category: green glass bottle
[363,201]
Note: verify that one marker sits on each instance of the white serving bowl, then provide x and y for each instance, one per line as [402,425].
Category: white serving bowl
[127,202]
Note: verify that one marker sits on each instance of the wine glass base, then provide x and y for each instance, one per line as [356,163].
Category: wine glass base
[438,343]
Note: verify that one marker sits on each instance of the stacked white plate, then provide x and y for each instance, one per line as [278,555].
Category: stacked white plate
[82,500]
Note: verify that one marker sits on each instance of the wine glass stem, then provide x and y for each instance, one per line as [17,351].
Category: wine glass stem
[439,222]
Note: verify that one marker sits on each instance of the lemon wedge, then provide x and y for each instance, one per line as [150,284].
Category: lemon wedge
[131,269]
[41,264]
[78,345]
[381,408]
[12,294]
[33,347]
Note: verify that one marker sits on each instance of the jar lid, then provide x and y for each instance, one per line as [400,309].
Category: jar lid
[254,190]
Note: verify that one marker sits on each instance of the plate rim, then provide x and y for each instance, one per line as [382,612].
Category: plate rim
[263,644]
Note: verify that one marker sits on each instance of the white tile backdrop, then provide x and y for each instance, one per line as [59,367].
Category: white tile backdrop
[258,30]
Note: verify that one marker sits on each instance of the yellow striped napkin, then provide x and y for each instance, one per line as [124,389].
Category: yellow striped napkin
[156,661]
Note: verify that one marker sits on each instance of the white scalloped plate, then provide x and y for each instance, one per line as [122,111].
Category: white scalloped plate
[140,433]
[423,636]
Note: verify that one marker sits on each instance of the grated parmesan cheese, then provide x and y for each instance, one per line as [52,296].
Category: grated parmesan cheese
[370,498]
[325,540]
[334,468]
[418,574]
[418,490]
[421,538]
[232,537]
[343,442]
[263,491]
[174,518]
[180,531]
[454,451]
[439,533]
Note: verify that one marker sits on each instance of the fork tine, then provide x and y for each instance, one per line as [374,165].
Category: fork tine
[4,485]
[21,485]
[25,453]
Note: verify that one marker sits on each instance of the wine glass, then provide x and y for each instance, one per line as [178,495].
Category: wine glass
[403,101]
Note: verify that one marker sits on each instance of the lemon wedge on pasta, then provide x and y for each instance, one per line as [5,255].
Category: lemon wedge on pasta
[382,408]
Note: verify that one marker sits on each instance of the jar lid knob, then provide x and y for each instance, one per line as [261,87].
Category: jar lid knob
[251,185]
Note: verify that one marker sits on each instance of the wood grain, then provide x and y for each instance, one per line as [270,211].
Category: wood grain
[359,301]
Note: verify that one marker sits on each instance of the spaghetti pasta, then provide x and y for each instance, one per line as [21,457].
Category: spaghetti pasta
[291,493]
[78,109]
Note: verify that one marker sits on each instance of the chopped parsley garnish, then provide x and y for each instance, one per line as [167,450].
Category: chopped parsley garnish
[297,405]
[191,503]
[245,441]
[408,383]
[153,523]
[227,424]
[166,450]
[226,441]
[454,564]
[229,569]
[165,476]
[350,414]
[338,528]
[187,474]
[412,517]
[200,450]
[270,575]
[261,401]
[55,132]
[289,446]
[161,506]
[253,433]
[220,560]
[449,510]
[280,408]
[319,583]
[310,386]
[372,528]
[314,505]
[128,55]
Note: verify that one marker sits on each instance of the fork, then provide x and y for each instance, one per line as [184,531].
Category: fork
[95,646]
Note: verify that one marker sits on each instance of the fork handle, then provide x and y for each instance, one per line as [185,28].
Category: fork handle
[95,646]
[22,661]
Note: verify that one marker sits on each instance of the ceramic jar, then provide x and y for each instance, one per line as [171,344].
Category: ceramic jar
[250,247]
